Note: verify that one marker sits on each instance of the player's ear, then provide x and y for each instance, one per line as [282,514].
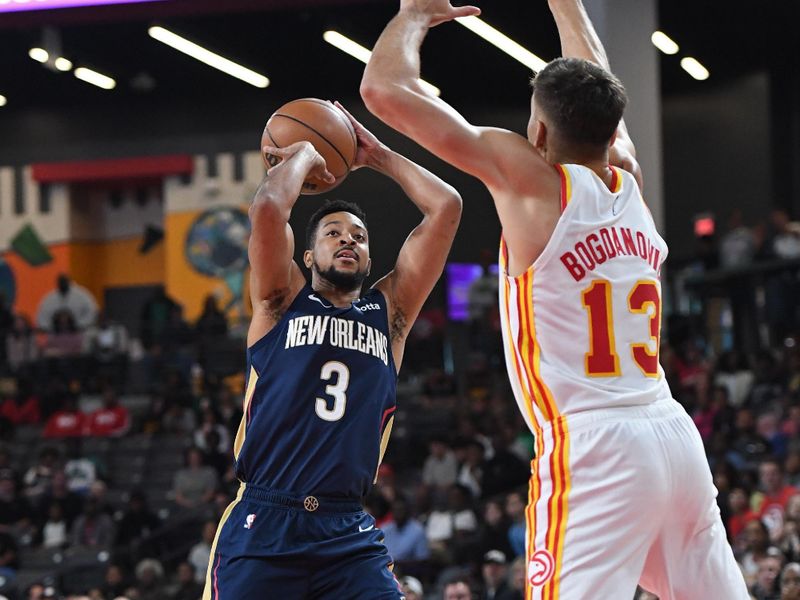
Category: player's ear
[369,266]
[308,258]
[613,138]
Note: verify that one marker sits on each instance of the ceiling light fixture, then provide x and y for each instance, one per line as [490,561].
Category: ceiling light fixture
[503,42]
[693,67]
[63,64]
[206,56]
[95,78]
[39,54]
[359,52]
[3,100]
[664,43]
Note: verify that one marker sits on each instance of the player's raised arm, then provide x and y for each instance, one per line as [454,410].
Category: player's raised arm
[422,257]
[274,276]
[392,91]
[580,40]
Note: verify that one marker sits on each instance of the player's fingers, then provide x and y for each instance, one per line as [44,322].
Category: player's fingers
[465,11]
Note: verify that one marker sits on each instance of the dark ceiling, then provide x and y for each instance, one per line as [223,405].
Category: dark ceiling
[283,39]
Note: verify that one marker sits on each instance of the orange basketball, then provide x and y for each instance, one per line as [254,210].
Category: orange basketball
[322,124]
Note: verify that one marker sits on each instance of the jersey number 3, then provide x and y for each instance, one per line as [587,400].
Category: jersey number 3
[337,390]
[602,359]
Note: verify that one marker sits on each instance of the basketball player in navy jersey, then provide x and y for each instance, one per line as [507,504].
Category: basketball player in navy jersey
[320,398]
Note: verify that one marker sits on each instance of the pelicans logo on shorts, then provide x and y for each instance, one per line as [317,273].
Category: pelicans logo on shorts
[541,567]
[248,524]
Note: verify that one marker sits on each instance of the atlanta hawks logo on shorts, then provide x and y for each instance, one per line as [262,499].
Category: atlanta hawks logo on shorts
[541,567]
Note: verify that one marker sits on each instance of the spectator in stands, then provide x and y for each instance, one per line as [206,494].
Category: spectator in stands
[55,531]
[210,328]
[504,471]
[200,552]
[448,527]
[9,556]
[116,581]
[737,247]
[38,477]
[58,492]
[70,297]
[111,420]
[459,587]
[755,545]
[138,521]
[515,510]
[733,373]
[441,467]
[229,407]
[185,587]
[107,344]
[516,580]
[412,588]
[494,571]
[149,576]
[746,448]
[790,582]
[766,586]
[789,542]
[98,492]
[210,422]
[21,349]
[739,513]
[768,427]
[21,407]
[93,528]
[404,535]
[194,485]
[494,528]
[155,315]
[63,346]
[69,422]
[16,514]
[775,496]
[470,474]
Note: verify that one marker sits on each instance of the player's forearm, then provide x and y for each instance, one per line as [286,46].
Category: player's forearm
[435,198]
[395,58]
[578,36]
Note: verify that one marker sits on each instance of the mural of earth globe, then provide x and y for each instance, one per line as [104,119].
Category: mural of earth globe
[8,285]
[217,242]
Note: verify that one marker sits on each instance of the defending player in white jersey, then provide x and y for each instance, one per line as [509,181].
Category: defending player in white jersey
[620,490]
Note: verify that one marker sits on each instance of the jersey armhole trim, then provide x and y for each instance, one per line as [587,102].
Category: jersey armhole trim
[566,185]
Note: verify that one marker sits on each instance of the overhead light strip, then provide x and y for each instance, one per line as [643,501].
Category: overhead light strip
[95,78]
[39,55]
[503,42]
[206,56]
[359,52]
[3,100]
[664,43]
[693,67]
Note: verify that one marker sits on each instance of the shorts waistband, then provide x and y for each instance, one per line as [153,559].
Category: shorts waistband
[660,409]
[307,502]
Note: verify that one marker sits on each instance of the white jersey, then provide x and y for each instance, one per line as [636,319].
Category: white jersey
[581,326]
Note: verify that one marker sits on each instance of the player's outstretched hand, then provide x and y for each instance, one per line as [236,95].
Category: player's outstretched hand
[370,150]
[438,11]
[303,149]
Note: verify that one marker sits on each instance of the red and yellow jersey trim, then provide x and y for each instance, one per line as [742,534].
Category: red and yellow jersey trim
[616,180]
[566,185]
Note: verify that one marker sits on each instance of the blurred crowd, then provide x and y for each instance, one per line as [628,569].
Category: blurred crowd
[450,495]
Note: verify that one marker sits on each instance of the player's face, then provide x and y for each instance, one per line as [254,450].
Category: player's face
[341,251]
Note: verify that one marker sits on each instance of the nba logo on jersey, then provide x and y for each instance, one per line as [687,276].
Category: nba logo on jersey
[249,521]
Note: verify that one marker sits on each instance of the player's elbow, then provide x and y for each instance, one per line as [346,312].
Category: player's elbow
[380,97]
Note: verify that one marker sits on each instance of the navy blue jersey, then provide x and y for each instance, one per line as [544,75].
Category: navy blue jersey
[320,399]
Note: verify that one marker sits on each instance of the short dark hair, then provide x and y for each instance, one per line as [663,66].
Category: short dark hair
[584,101]
[331,206]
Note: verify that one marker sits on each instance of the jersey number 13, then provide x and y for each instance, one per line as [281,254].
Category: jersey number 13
[602,359]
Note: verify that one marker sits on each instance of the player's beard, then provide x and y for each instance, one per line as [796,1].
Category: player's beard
[347,282]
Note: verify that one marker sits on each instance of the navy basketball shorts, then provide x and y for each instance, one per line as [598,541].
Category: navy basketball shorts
[289,547]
